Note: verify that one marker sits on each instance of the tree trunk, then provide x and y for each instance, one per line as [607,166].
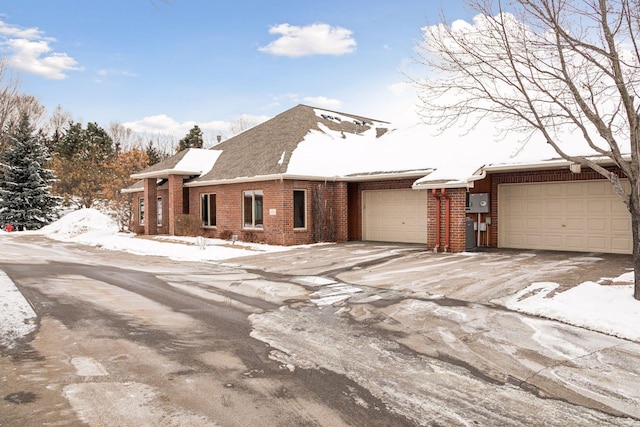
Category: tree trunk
[634,208]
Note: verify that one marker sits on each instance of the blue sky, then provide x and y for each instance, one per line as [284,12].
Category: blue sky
[168,64]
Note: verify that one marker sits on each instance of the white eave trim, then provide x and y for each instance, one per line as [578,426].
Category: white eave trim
[283,176]
[163,174]
[547,164]
[132,190]
[452,183]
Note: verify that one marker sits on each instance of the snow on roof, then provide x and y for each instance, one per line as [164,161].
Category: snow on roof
[198,160]
[458,155]
[193,161]
[453,156]
[330,153]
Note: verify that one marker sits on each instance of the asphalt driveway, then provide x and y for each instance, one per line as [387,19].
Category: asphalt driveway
[473,276]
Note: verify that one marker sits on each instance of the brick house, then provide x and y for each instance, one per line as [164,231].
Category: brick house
[279,183]
[311,175]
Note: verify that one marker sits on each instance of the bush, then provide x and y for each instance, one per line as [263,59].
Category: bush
[249,236]
[187,225]
[225,234]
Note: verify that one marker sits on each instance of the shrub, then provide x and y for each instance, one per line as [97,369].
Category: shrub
[225,234]
[187,225]
[249,236]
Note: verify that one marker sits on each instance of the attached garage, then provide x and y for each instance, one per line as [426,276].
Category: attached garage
[394,216]
[567,216]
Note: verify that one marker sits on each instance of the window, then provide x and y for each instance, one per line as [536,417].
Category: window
[299,209]
[252,209]
[208,210]
[141,210]
[159,222]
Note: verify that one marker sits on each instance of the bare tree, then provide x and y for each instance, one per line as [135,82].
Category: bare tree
[9,85]
[124,139]
[241,123]
[58,120]
[550,67]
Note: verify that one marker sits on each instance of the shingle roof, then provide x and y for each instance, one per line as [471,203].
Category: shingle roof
[266,148]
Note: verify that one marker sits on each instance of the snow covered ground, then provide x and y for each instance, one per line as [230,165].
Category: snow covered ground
[608,307]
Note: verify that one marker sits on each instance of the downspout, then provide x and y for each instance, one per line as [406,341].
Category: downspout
[447,220]
[435,195]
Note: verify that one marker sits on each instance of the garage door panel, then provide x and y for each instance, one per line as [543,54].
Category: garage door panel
[574,223]
[621,244]
[395,216]
[575,206]
[620,226]
[576,216]
[596,206]
[553,223]
[597,224]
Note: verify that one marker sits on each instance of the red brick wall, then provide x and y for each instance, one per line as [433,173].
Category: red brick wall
[150,206]
[457,218]
[174,201]
[278,195]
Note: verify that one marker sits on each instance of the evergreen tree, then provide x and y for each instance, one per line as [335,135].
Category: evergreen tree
[82,161]
[26,201]
[193,139]
[153,154]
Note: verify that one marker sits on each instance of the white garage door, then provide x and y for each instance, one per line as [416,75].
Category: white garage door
[394,216]
[585,216]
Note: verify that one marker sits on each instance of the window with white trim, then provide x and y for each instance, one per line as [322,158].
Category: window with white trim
[299,209]
[208,209]
[141,210]
[159,221]
[252,205]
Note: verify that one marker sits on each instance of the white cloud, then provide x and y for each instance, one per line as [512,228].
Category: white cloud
[162,124]
[102,75]
[314,39]
[31,52]
[322,102]
[12,31]
[399,89]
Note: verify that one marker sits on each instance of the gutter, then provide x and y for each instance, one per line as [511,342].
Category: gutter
[164,174]
[283,176]
[466,183]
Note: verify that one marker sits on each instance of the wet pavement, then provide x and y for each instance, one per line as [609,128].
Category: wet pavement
[364,334]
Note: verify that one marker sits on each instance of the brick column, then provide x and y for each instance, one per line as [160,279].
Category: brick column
[150,206]
[176,200]
[342,211]
[458,219]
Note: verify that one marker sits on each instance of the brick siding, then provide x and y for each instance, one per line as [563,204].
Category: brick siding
[457,218]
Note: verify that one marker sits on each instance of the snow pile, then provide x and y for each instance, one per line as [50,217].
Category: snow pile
[91,227]
[82,226]
[17,318]
[604,308]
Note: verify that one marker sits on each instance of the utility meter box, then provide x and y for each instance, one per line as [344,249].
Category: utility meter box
[478,203]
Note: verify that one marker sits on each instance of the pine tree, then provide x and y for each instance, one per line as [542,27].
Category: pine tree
[193,139]
[82,161]
[153,154]
[26,201]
